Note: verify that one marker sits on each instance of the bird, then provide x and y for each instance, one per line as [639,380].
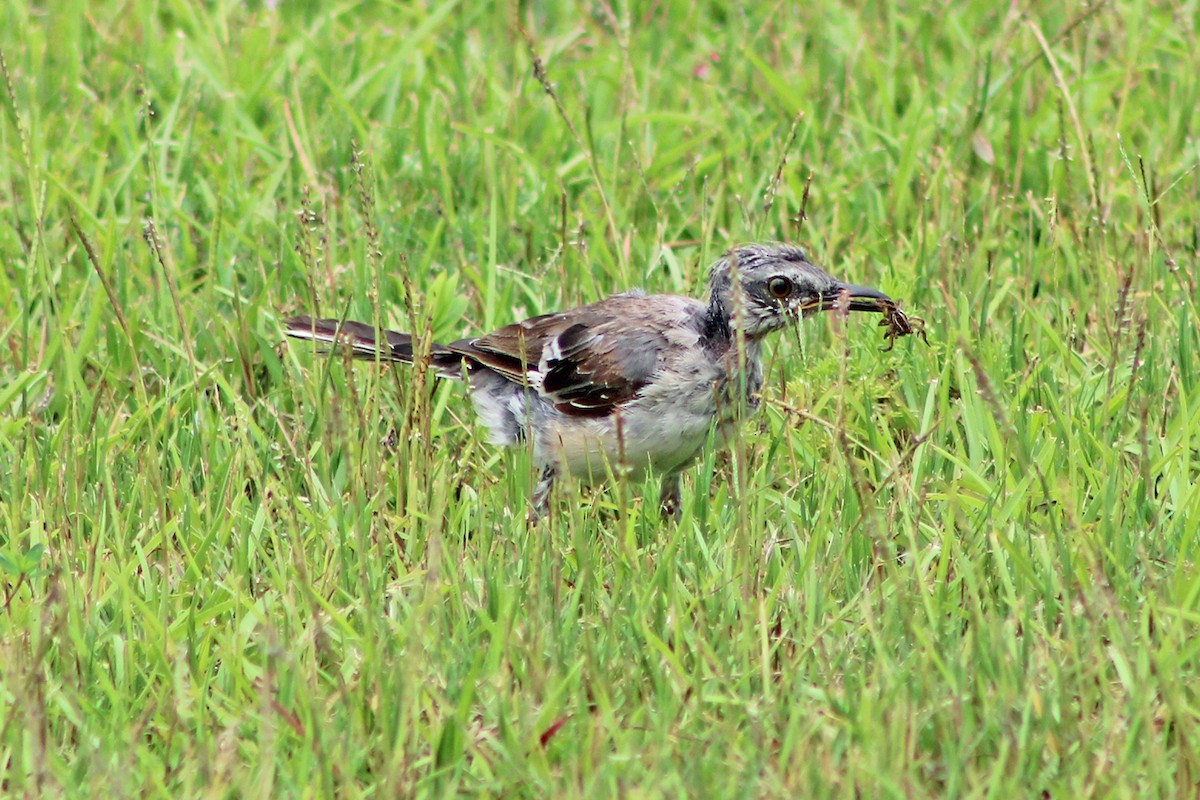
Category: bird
[635,383]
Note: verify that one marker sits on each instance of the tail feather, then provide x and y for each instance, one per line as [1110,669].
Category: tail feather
[357,336]
[363,342]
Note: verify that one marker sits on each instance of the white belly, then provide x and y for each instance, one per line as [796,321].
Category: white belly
[662,431]
[626,444]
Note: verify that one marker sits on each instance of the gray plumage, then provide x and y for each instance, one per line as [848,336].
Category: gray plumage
[632,383]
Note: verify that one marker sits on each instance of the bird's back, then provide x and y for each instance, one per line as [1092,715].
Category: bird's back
[590,359]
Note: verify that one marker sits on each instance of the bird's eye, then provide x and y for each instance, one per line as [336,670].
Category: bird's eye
[779,287]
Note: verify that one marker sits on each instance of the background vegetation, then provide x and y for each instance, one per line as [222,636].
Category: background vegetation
[230,568]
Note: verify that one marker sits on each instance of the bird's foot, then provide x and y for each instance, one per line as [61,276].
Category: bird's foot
[670,500]
[540,505]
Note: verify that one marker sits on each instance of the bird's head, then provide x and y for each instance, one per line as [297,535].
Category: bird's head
[763,287]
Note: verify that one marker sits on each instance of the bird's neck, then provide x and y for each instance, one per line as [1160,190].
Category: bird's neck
[724,316]
[717,333]
[740,354]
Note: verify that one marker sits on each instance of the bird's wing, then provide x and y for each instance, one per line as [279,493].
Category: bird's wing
[587,360]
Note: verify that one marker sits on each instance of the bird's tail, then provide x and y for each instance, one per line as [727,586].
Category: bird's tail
[362,340]
[359,338]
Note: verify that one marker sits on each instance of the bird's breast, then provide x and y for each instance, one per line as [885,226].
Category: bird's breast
[664,428]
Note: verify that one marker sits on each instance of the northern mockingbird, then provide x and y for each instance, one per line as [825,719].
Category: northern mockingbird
[632,383]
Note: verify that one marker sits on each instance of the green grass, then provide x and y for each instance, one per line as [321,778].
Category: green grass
[229,568]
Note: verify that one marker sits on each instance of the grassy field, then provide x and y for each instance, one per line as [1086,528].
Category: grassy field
[230,568]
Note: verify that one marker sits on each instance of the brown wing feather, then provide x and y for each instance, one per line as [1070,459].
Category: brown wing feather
[586,361]
[513,350]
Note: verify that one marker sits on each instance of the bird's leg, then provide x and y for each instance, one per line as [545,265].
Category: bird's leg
[669,498]
[541,493]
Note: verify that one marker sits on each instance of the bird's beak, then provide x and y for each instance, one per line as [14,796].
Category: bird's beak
[856,298]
